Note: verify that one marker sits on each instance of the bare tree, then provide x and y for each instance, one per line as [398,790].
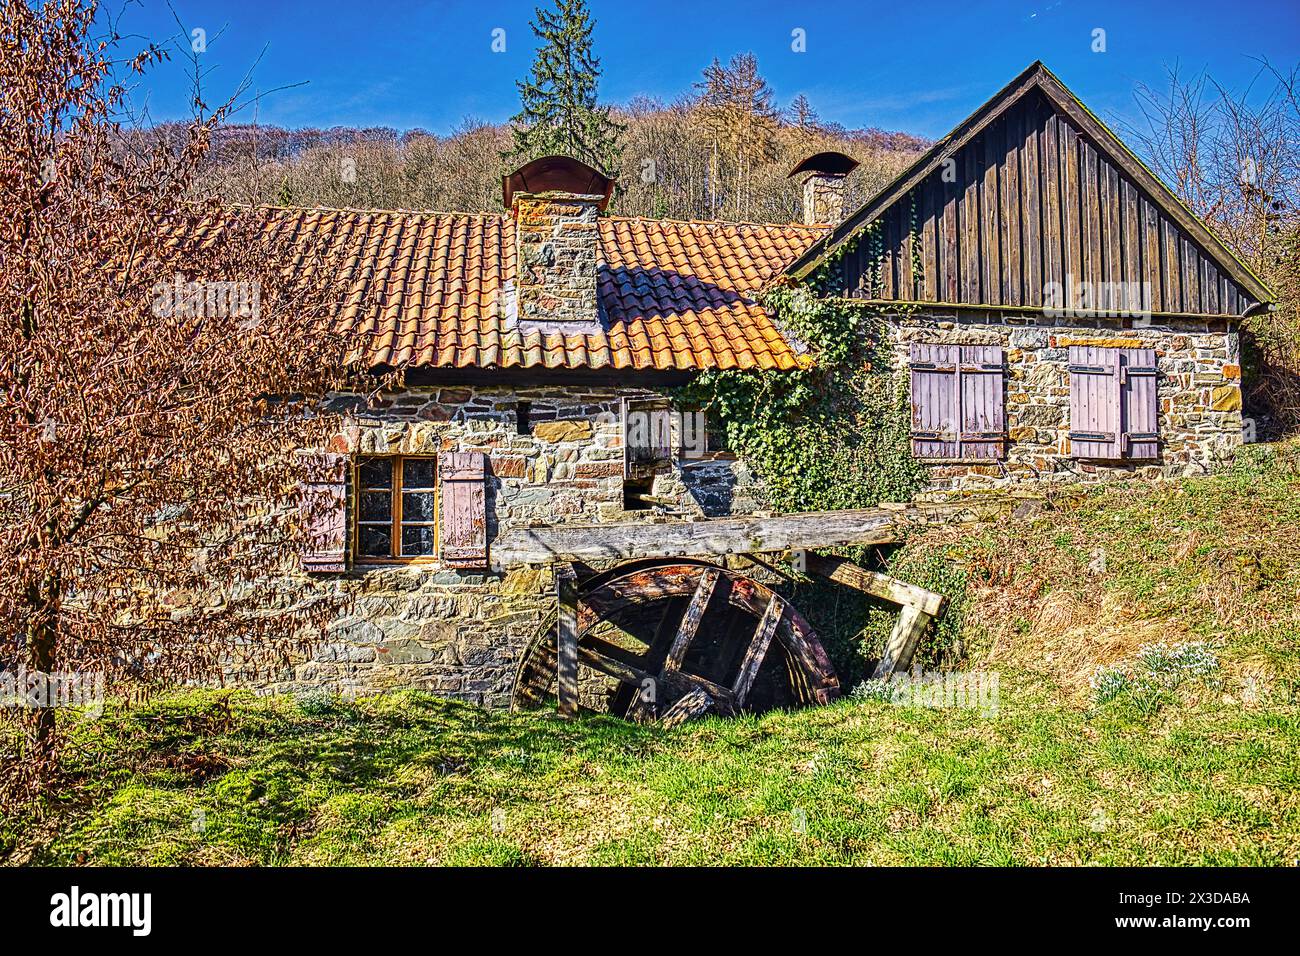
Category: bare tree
[147,469]
[1234,157]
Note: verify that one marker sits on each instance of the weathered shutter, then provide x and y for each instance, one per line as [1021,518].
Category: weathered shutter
[958,401]
[647,437]
[1095,407]
[322,502]
[1114,408]
[1141,406]
[983,405]
[935,400]
[463,504]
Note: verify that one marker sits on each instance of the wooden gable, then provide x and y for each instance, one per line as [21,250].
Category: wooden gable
[1034,190]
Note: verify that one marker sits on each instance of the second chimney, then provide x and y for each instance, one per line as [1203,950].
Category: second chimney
[823,187]
[555,202]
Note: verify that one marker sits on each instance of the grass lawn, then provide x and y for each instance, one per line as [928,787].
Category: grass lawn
[1208,772]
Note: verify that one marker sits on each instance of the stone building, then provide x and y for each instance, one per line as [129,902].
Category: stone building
[1059,314]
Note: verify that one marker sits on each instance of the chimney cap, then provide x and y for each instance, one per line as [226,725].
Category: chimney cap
[557,174]
[829,163]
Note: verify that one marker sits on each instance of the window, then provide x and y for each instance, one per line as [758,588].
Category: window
[958,409]
[396,507]
[647,437]
[1114,407]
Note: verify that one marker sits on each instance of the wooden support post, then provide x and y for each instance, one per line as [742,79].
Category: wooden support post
[917,606]
[566,640]
[844,571]
[909,627]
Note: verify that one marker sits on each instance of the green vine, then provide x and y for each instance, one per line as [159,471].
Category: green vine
[833,435]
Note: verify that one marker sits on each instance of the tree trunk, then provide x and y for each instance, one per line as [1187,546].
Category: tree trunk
[42,652]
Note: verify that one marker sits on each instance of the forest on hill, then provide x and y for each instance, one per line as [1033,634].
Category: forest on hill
[720,151]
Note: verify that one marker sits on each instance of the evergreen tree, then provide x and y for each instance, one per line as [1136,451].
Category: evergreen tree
[559,113]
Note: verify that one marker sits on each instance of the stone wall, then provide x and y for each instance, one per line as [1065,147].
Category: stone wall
[460,633]
[1199,386]
[557,245]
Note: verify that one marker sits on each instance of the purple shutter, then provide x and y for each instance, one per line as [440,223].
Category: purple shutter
[463,505]
[322,505]
[1095,407]
[935,400]
[983,405]
[1141,406]
[958,401]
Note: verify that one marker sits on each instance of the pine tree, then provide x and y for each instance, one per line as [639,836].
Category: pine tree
[802,116]
[559,113]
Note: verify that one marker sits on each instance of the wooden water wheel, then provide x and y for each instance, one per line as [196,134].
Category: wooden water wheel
[673,639]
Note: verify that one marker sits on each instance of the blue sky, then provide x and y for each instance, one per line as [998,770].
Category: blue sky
[918,66]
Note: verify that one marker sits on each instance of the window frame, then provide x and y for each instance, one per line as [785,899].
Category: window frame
[396,522]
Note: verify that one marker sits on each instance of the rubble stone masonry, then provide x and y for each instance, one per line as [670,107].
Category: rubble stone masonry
[459,633]
[1199,388]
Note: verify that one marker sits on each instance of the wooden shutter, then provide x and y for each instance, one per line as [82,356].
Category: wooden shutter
[983,403]
[463,505]
[1141,407]
[322,502]
[958,401]
[1094,402]
[1113,405]
[935,400]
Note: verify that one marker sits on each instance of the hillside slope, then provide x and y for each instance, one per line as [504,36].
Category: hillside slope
[1183,758]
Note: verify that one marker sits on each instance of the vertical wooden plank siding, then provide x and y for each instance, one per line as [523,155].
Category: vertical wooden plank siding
[991,260]
[1031,248]
[1035,201]
[1009,206]
[463,505]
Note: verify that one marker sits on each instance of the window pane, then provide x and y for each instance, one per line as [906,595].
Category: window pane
[417,473]
[376,541]
[376,473]
[376,506]
[417,540]
[417,506]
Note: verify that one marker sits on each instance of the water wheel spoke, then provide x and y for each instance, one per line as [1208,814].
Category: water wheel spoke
[757,650]
[694,704]
[680,684]
[611,666]
[690,623]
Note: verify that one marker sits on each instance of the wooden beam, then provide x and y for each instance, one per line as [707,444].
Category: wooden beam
[694,704]
[566,640]
[623,541]
[691,620]
[843,571]
[909,627]
[757,650]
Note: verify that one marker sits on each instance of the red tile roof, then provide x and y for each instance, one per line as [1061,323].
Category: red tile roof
[430,288]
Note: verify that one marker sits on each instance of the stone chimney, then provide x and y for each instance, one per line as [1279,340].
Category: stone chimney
[555,202]
[823,187]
